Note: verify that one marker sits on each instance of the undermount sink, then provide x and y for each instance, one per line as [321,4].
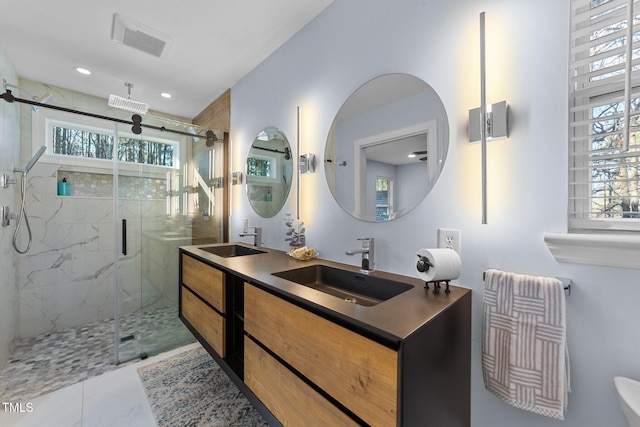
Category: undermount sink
[228,251]
[352,287]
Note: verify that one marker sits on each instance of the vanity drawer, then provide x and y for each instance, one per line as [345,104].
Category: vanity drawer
[289,398]
[204,280]
[204,319]
[358,372]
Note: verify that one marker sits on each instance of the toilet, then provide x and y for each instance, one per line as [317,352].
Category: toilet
[629,391]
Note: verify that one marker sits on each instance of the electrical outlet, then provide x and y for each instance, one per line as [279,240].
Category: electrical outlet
[448,238]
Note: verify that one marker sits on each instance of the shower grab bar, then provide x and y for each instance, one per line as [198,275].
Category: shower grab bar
[124,237]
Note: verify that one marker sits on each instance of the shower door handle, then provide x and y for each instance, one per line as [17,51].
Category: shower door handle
[124,237]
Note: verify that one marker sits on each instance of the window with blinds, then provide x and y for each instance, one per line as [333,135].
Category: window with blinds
[604,134]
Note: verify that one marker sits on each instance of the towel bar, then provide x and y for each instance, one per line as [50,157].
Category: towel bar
[566,283]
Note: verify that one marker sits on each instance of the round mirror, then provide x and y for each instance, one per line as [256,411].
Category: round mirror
[386,147]
[269,172]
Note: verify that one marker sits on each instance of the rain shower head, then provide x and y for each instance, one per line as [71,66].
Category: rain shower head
[127,103]
[34,159]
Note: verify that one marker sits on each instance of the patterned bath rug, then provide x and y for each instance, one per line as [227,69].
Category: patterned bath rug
[190,389]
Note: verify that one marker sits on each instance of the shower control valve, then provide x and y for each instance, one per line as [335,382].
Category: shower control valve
[5,180]
[6,216]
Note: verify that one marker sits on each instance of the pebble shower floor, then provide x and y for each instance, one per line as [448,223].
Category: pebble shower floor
[46,363]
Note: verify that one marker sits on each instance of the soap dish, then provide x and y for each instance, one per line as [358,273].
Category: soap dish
[304,253]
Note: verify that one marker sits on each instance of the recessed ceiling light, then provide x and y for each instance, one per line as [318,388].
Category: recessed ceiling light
[166,95]
[82,70]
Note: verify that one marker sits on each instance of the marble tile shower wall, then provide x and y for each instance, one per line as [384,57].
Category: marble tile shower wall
[67,278]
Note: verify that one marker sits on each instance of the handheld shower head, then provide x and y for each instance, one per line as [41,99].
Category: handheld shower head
[34,159]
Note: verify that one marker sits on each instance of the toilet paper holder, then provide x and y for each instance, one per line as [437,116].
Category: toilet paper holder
[424,265]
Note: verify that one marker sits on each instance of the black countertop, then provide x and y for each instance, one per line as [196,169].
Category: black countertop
[390,321]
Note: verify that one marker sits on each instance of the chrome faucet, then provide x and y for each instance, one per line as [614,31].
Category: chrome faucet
[368,260]
[257,235]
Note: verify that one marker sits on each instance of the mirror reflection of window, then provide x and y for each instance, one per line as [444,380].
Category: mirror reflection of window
[384,199]
[258,167]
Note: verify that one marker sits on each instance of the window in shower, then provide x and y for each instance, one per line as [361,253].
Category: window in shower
[69,140]
[88,141]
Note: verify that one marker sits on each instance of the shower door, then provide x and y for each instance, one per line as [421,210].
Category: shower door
[163,202]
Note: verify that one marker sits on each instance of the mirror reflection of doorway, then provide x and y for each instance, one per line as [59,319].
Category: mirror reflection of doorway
[402,157]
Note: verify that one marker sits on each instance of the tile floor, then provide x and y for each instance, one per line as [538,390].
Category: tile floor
[115,398]
[43,364]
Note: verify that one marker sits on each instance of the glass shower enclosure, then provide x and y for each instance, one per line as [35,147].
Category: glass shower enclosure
[105,249]
[167,194]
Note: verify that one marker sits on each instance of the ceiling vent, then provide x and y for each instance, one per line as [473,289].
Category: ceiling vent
[139,36]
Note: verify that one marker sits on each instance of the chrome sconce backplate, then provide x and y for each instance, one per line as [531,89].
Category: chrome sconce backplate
[236,178]
[307,163]
[496,121]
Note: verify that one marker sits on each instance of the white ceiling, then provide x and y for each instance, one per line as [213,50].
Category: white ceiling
[216,43]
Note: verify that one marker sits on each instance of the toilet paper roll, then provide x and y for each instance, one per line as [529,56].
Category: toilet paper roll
[445,264]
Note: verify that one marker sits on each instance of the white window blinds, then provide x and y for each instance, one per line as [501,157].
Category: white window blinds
[604,134]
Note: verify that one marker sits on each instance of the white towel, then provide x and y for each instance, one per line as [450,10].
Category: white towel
[524,352]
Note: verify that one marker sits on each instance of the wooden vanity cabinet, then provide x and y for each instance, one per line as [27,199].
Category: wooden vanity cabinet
[300,365]
[422,383]
[357,372]
[203,301]
[292,401]
[204,280]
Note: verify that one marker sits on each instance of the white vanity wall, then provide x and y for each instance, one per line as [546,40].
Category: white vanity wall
[353,41]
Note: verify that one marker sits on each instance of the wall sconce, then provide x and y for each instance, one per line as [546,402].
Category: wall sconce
[217,182]
[307,163]
[236,178]
[496,122]
[486,122]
